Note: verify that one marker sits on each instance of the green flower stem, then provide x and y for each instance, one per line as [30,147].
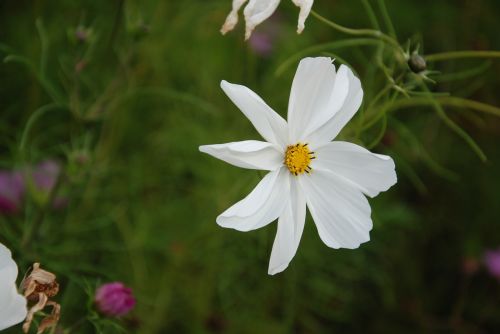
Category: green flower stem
[387,19]
[351,42]
[447,101]
[454,126]
[32,230]
[462,54]
[380,134]
[407,169]
[414,142]
[44,44]
[361,32]
[465,74]
[33,119]
[50,89]
[371,14]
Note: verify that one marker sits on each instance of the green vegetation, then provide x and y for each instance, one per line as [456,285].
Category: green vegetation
[122,93]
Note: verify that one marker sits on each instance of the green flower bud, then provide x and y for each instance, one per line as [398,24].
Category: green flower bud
[417,63]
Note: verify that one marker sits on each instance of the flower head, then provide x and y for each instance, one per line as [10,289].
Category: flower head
[257,11]
[12,305]
[114,299]
[492,262]
[305,167]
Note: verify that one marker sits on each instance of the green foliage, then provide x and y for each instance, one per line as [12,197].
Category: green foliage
[123,93]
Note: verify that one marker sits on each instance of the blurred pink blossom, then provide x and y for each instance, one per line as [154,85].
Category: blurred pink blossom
[114,299]
[11,191]
[43,178]
[40,178]
[262,41]
[492,262]
[45,175]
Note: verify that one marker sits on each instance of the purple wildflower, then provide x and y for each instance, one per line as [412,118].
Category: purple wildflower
[263,39]
[40,179]
[492,262]
[261,43]
[11,192]
[43,178]
[45,175]
[114,299]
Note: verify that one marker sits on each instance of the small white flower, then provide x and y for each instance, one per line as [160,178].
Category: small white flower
[305,166]
[257,11]
[12,305]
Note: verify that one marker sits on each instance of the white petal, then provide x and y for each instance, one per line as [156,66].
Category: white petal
[352,102]
[371,173]
[8,273]
[305,9]
[232,18]
[317,94]
[12,305]
[256,12]
[14,313]
[250,154]
[337,98]
[340,211]
[266,121]
[290,227]
[263,205]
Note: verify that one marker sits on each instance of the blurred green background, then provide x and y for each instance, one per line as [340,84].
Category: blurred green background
[122,93]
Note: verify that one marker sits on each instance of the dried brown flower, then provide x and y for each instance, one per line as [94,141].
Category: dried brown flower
[38,287]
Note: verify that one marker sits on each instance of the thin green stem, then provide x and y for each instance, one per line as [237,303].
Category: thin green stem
[321,47]
[371,14]
[32,120]
[380,135]
[387,19]
[447,101]
[116,22]
[466,74]
[413,141]
[44,48]
[377,97]
[459,131]
[50,89]
[412,175]
[32,231]
[454,126]
[360,32]
[462,54]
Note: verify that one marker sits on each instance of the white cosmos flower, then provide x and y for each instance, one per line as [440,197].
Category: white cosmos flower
[305,166]
[12,304]
[257,11]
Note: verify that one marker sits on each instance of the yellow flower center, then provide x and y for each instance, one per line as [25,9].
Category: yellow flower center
[298,158]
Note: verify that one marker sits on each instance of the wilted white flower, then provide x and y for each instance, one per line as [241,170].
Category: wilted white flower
[12,305]
[257,11]
[305,166]
[39,287]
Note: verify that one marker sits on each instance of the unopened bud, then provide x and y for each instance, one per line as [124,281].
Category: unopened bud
[114,299]
[417,63]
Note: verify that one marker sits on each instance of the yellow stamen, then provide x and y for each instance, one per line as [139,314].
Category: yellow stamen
[297,158]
